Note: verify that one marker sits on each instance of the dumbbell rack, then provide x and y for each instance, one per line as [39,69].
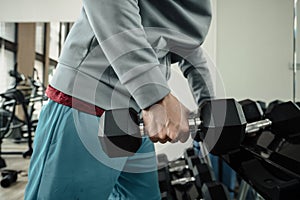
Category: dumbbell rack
[189,177]
[268,160]
[276,162]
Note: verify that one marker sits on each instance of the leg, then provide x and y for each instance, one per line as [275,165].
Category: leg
[139,179]
[64,165]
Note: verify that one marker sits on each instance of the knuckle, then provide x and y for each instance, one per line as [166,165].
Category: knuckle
[153,139]
[163,141]
[173,135]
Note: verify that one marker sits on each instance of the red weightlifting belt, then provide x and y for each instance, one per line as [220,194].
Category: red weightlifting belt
[67,100]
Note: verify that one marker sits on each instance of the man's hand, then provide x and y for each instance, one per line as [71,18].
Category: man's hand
[167,120]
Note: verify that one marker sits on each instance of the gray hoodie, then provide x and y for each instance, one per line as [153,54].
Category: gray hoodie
[119,52]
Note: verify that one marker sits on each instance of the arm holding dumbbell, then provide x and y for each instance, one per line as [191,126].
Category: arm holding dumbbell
[141,77]
[168,119]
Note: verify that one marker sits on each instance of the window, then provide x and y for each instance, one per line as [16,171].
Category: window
[8,31]
[7,54]
[54,40]
[40,38]
[39,71]
[7,62]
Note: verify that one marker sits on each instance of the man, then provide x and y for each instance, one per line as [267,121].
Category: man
[117,55]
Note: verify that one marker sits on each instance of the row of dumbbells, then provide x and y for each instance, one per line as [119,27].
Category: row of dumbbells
[192,178]
[269,106]
[280,117]
[256,110]
[188,178]
[222,124]
[244,118]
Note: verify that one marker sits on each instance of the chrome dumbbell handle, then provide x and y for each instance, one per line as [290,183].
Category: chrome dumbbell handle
[256,126]
[183,181]
[178,168]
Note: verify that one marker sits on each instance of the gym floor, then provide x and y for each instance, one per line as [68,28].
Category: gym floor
[18,163]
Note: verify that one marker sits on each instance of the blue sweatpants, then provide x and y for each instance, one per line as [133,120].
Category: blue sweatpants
[69,163]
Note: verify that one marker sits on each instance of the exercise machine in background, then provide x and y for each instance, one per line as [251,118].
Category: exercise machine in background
[24,93]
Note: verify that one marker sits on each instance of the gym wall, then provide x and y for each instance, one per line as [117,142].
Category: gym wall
[255,48]
[39,11]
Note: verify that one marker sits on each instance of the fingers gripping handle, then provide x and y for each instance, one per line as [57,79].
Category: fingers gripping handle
[121,131]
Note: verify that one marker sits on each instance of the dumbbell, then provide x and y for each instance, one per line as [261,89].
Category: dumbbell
[220,123]
[186,161]
[200,183]
[192,162]
[201,173]
[175,177]
[177,167]
[214,190]
[203,180]
[282,119]
[185,186]
[164,178]
[272,104]
[199,167]
[121,130]
[183,165]
[9,177]
[209,189]
[276,109]
[252,110]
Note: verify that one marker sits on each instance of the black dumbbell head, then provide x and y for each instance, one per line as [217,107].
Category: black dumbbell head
[192,161]
[285,118]
[189,152]
[119,133]
[203,174]
[164,179]
[215,190]
[9,177]
[263,105]
[223,125]
[272,104]
[162,160]
[252,110]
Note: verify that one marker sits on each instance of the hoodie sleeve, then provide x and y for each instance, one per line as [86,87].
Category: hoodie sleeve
[198,72]
[119,31]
